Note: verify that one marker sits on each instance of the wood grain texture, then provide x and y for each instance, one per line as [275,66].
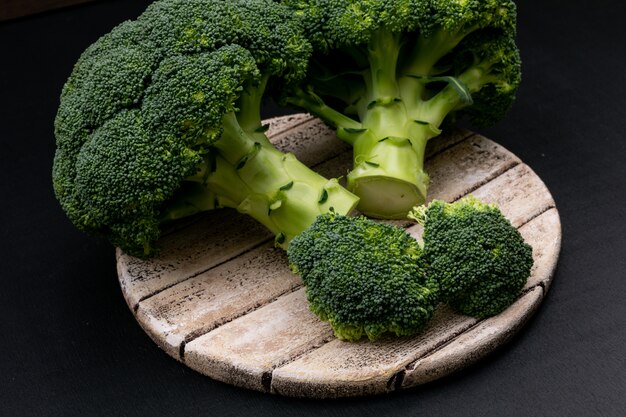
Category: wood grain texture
[222,300]
[473,344]
[341,369]
[249,348]
[201,303]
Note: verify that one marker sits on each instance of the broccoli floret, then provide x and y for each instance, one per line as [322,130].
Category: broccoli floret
[364,278]
[368,279]
[389,75]
[160,119]
[479,259]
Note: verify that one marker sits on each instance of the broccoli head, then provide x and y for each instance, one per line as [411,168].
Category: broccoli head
[479,259]
[365,278]
[160,119]
[389,75]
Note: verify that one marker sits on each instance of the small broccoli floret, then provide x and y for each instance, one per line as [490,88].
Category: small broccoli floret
[479,259]
[364,278]
[388,74]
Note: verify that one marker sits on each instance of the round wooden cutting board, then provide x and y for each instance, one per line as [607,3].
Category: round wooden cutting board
[222,300]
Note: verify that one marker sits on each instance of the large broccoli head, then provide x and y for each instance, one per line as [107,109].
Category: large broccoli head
[144,107]
[389,74]
[365,278]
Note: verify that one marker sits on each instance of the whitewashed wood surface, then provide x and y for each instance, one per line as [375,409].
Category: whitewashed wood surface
[222,300]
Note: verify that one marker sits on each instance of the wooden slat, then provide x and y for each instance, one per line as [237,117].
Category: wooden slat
[340,369]
[216,238]
[311,142]
[216,296]
[278,125]
[519,193]
[442,142]
[466,166]
[475,343]
[245,351]
[544,234]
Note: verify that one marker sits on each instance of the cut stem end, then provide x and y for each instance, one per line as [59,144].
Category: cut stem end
[383,197]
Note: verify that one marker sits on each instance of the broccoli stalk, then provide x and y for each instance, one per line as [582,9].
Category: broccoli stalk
[387,75]
[248,174]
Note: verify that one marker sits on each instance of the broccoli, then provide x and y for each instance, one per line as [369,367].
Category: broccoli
[368,279]
[389,75]
[160,119]
[365,278]
[478,258]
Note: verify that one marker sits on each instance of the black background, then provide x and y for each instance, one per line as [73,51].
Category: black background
[69,346]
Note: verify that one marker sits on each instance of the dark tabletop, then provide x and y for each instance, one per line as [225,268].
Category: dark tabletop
[69,346]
